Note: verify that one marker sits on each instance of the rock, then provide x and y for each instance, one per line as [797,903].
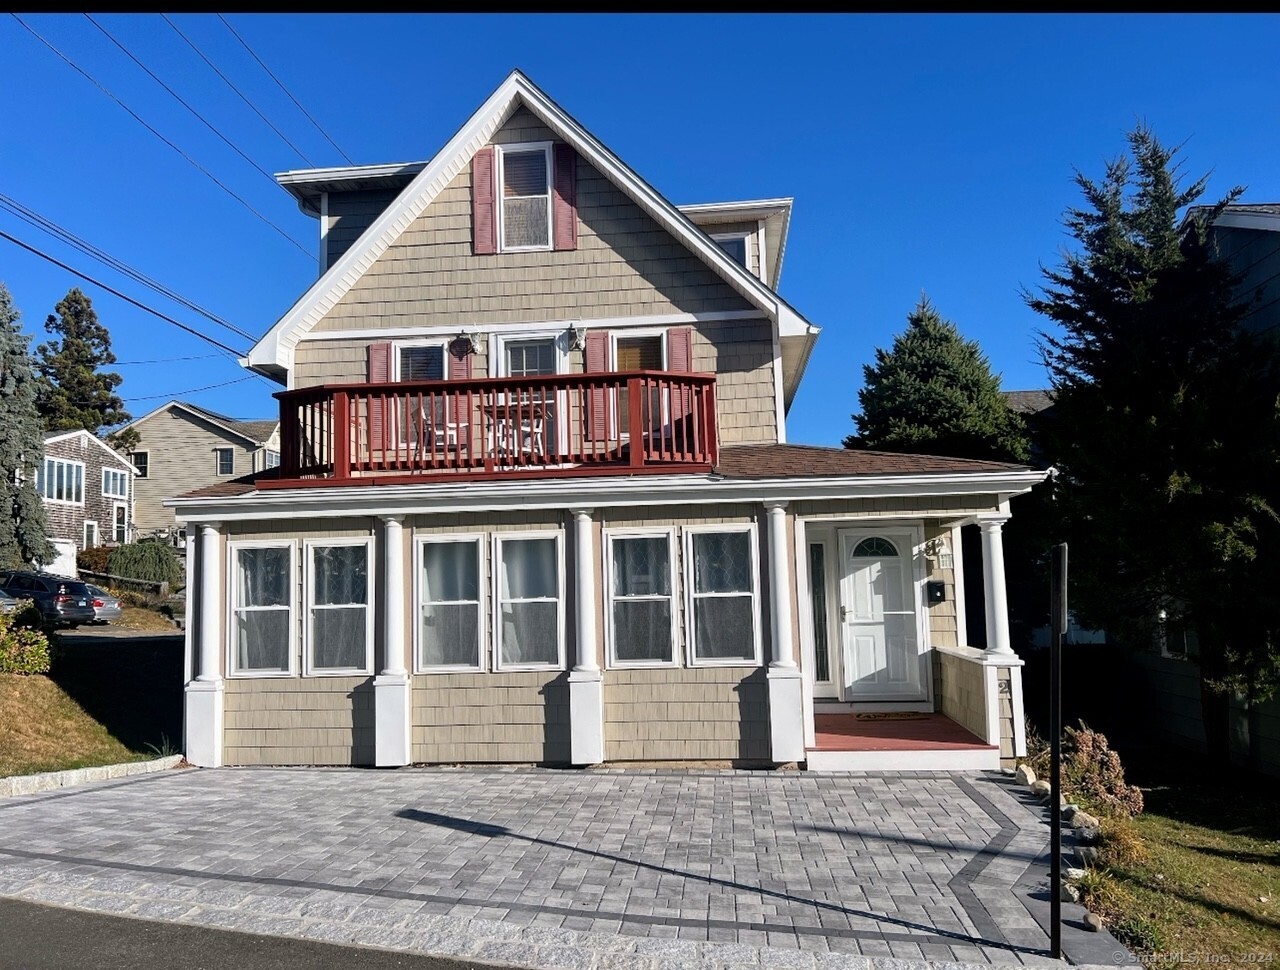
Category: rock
[1069,811]
[1089,834]
[1025,775]
[1080,820]
[1087,855]
[1070,894]
[1040,788]
[1093,922]
[1074,873]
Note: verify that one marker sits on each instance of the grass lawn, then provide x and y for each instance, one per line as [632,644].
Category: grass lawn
[1209,885]
[143,619]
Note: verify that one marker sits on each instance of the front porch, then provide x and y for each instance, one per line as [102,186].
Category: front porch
[877,741]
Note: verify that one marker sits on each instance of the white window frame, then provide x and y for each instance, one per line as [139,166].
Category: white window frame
[309,604]
[610,535]
[46,479]
[233,548]
[531,146]
[419,543]
[266,458]
[398,345]
[719,237]
[124,477]
[217,462]
[499,341]
[116,508]
[691,647]
[495,592]
[84,536]
[631,334]
[132,461]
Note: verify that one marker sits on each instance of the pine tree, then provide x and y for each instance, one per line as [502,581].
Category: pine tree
[1164,428]
[71,392]
[934,393]
[23,528]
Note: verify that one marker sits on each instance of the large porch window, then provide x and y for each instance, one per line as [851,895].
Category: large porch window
[449,626]
[262,584]
[529,600]
[641,618]
[721,565]
[339,622]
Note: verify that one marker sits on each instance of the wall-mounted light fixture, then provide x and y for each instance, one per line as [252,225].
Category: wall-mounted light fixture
[469,340]
[938,550]
[577,337]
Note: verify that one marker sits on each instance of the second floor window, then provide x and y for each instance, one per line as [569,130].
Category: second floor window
[273,459]
[61,481]
[421,362]
[525,199]
[735,246]
[142,462]
[115,483]
[225,459]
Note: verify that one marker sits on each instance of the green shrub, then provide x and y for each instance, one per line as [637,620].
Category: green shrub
[151,561]
[94,559]
[24,646]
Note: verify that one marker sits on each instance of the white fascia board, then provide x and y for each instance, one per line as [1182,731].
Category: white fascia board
[97,441]
[751,209]
[341,173]
[275,349]
[791,324]
[471,496]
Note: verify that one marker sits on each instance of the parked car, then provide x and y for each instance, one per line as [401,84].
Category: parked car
[61,600]
[105,606]
[8,604]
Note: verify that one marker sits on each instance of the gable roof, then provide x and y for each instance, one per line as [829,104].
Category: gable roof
[51,436]
[256,431]
[1243,215]
[1028,402]
[272,355]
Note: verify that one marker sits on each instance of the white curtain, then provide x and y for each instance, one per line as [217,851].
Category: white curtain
[528,580]
[451,604]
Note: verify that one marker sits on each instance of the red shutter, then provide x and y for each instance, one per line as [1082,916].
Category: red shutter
[680,360]
[595,360]
[458,368]
[484,203]
[564,208]
[379,373]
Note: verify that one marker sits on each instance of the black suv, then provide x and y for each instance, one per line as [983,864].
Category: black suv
[60,600]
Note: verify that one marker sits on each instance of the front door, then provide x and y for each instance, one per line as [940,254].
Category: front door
[878,620]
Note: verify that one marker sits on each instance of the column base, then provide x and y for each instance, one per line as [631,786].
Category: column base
[786,714]
[586,717]
[392,739]
[202,707]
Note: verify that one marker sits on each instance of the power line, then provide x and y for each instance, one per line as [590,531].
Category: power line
[163,360]
[280,84]
[177,97]
[193,390]
[213,178]
[128,299]
[46,225]
[214,67]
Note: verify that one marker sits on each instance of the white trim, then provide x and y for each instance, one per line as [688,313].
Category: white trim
[490,329]
[609,535]
[309,593]
[498,348]
[615,491]
[750,209]
[808,646]
[742,234]
[84,535]
[500,152]
[188,616]
[115,512]
[954,759]
[991,700]
[482,640]
[307,176]
[45,479]
[516,536]
[133,455]
[779,394]
[760,257]
[275,350]
[97,441]
[217,461]
[233,548]
[324,230]
[691,646]
[1019,714]
[957,587]
[122,474]
[638,333]
[440,341]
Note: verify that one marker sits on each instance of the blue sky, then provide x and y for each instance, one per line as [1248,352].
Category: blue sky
[924,152]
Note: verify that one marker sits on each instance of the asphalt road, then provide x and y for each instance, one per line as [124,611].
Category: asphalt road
[34,937]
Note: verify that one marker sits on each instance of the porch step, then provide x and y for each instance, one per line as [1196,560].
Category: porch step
[984,758]
[897,742]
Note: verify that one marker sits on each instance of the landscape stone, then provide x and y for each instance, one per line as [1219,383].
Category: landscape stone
[1024,774]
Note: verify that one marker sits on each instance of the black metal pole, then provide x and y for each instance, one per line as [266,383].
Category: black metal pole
[1057,630]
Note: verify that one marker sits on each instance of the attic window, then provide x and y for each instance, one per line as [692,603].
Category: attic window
[735,245]
[525,174]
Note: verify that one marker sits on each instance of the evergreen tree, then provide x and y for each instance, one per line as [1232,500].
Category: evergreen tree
[1164,428]
[23,529]
[934,393]
[72,393]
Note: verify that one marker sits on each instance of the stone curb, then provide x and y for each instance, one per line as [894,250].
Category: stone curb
[49,780]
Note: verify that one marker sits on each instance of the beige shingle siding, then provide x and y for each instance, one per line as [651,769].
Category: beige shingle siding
[299,720]
[491,717]
[942,616]
[350,214]
[719,713]
[960,692]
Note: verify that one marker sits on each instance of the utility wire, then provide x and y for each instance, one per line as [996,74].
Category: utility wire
[280,84]
[193,390]
[177,97]
[213,178]
[128,299]
[163,360]
[46,225]
[214,67]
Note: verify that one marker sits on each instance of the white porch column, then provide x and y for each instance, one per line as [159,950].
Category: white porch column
[204,696]
[993,582]
[392,687]
[786,687]
[586,683]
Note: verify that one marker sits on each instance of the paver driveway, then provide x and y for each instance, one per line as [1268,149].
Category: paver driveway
[552,868]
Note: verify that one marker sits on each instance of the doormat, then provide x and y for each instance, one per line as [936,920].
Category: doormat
[891,716]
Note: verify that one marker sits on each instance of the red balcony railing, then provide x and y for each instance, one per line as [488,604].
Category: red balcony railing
[566,424]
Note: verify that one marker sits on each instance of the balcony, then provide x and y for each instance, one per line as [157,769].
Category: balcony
[628,423]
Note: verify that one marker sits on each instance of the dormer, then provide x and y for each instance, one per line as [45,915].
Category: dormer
[754,233]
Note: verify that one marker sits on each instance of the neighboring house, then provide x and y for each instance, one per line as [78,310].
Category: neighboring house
[87,489]
[182,447]
[1247,238]
[536,503]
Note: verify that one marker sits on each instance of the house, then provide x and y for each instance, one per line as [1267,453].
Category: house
[536,502]
[1247,237]
[182,447]
[87,489]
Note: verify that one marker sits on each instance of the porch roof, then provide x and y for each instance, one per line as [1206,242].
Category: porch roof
[814,461]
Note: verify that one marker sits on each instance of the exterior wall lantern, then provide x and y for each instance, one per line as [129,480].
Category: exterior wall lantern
[471,341]
[577,337]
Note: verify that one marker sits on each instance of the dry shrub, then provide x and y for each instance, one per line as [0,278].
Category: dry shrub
[1119,843]
[1093,773]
